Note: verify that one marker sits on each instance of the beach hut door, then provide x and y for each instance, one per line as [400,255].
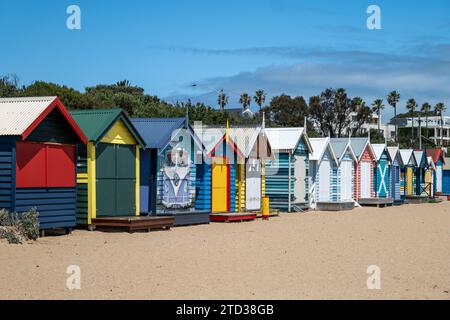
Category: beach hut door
[300,179]
[220,185]
[253,185]
[438,178]
[366,172]
[346,180]
[324,181]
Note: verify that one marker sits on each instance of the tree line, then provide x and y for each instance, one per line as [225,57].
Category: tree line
[331,113]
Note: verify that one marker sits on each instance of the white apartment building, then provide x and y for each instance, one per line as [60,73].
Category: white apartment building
[434,127]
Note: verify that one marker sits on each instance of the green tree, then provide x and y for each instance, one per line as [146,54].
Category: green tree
[439,108]
[363,114]
[411,106]
[393,98]
[222,100]
[377,106]
[285,111]
[260,98]
[245,100]
[426,108]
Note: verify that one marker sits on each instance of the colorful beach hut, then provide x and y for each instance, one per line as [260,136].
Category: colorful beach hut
[324,177]
[381,175]
[407,172]
[108,168]
[419,172]
[250,175]
[363,168]
[394,174]
[170,164]
[438,158]
[38,142]
[287,175]
[429,177]
[345,176]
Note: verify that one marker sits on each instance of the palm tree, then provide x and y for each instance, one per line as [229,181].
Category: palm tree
[245,100]
[377,106]
[411,105]
[260,98]
[222,100]
[123,83]
[439,108]
[426,108]
[393,98]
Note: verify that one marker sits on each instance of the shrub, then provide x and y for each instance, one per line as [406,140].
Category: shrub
[29,224]
[16,228]
[11,235]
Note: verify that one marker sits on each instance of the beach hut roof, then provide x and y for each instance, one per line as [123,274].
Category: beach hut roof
[211,137]
[430,163]
[245,139]
[319,146]
[287,138]
[340,147]
[379,149]
[159,132]
[20,116]
[420,157]
[95,123]
[435,154]
[395,152]
[359,145]
[408,157]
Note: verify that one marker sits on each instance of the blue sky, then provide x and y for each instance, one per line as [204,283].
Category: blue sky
[293,47]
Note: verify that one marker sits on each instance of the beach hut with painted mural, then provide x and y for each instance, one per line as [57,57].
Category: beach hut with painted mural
[394,174]
[170,167]
[345,172]
[363,168]
[407,172]
[419,173]
[324,192]
[108,167]
[38,142]
[438,158]
[287,174]
[250,175]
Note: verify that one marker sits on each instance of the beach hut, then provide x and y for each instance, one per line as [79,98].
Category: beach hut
[38,141]
[324,177]
[108,169]
[345,171]
[419,173]
[407,172]
[429,177]
[287,175]
[394,174]
[381,175]
[363,168]
[250,175]
[169,183]
[438,158]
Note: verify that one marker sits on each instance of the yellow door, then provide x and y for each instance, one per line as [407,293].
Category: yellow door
[219,185]
[409,181]
[428,182]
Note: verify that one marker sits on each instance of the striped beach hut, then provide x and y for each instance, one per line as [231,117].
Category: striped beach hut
[407,172]
[394,174]
[438,158]
[346,160]
[287,175]
[169,183]
[381,175]
[325,183]
[38,142]
[108,166]
[363,168]
[419,172]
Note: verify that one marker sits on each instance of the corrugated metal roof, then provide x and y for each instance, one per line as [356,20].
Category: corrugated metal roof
[359,145]
[244,138]
[379,148]
[419,154]
[95,123]
[319,145]
[157,132]
[394,152]
[339,146]
[435,154]
[209,136]
[17,114]
[285,138]
[407,156]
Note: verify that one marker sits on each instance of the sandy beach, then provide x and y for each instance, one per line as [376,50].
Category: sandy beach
[315,255]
